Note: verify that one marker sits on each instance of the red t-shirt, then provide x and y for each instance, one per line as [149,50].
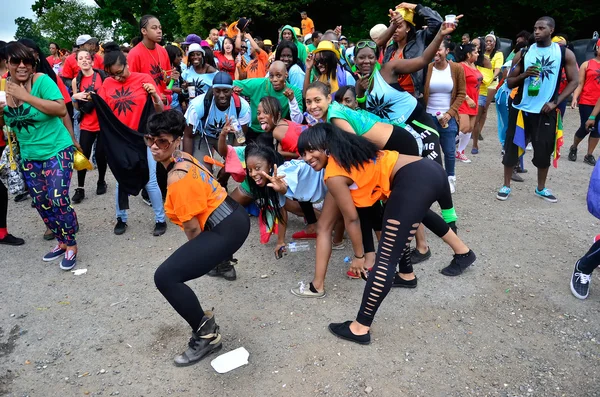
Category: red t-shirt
[89,122]
[70,68]
[473,79]
[127,99]
[289,143]
[53,61]
[226,65]
[153,62]
[63,90]
[591,87]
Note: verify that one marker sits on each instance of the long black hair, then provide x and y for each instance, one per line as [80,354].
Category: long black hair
[42,65]
[330,61]
[113,55]
[173,52]
[481,57]
[348,150]
[294,49]
[265,197]
[339,95]
[209,56]
[462,51]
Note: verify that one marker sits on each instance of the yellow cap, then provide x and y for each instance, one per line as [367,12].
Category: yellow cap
[407,14]
[267,42]
[297,31]
[558,39]
[327,46]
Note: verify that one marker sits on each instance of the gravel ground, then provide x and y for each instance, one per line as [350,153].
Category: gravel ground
[508,327]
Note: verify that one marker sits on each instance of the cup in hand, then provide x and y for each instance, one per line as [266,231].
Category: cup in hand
[450,18]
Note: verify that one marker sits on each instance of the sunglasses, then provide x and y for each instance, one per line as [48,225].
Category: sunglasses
[17,61]
[366,43]
[118,74]
[320,61]
[161,143]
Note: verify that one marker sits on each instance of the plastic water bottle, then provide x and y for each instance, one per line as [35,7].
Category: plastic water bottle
[441,120]
[310,119]
[237,128]
[298,246]
[534,85]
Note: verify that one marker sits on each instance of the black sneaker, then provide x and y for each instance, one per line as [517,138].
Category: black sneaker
[101,188]
[417,257]
[224,269]
[146,198]
[580,283]
[159,229]
[516,177]
[589,159]
[21,197]
[399,282]
[480,137]
[203,342]
[78,196]
[342,330]
[520,170]
[459,264]
[120,227]
[572,153]
[9,239]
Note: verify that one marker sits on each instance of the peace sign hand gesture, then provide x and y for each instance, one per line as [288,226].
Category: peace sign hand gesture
[277,182]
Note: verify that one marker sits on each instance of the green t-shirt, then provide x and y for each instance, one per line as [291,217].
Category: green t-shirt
[360,120]
[311,48]
[40,136]
[257,88]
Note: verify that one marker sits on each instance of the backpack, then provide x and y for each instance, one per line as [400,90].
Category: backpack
[208,98]
[519,95]
[88,107]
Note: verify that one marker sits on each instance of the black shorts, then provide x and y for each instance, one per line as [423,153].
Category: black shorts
[421,122]
[540,130]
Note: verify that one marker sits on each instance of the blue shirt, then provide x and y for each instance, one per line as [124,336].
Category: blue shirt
[216,118]
[202,82]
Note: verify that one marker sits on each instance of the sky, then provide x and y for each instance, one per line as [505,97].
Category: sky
[18,8]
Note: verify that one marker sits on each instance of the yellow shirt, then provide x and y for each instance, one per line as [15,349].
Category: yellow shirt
[488,74]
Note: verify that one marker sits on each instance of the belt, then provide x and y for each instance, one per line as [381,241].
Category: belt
[220,213]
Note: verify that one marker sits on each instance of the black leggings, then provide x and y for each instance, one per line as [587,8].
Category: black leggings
[415,188]
[196,258]
[3,199]
[591,260]
[370,221]
[308,211]
[86,140]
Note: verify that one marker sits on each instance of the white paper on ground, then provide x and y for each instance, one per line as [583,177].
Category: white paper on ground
[230,360]
[79,272]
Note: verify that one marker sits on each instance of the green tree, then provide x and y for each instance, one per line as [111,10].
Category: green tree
[28,29]
[82,19]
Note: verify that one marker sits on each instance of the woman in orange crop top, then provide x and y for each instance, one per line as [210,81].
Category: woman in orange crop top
[215,225]
[358,174]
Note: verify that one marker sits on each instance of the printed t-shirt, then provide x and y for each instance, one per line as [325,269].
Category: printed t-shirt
[153,62]
[196,195]
[256,89]
[225,65]
[215,120]
[89,121]
[258,66]
[371,181]
[70,67]
[202,82]
[591,87]
[307,26]
[473,79]
[127,99]
[40,136]
[54,63]
[360,120]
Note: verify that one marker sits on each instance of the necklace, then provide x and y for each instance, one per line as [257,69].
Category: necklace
[28,82]
[164,72]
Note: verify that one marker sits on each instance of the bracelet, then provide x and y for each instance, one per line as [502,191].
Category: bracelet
[361,99]
[592,118]
[359,257]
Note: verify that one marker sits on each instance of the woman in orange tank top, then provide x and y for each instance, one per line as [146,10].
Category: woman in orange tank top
[358,174]
[215,225]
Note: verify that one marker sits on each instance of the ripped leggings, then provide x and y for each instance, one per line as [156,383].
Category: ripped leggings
[415,188]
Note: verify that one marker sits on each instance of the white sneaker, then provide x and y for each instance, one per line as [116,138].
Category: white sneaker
[452,182]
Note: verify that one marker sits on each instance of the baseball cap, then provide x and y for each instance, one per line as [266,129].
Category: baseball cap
[267,42]
[308,37]
[84,38]
[222,80]
[192,39]
[195,47]
[377,31]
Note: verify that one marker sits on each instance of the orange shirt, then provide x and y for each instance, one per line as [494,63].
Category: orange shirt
[307,26]
[404,80]
[258,66]
[197,195]
[371,181]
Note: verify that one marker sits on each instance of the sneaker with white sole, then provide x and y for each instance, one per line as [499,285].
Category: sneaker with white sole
[308,291]
[503,193]
[460,156]
[338,246]
[56,253]
[546,194]
[452,183]
[580,283]
[69,261]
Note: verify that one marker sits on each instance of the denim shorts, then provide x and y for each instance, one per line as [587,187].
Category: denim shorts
[482,100]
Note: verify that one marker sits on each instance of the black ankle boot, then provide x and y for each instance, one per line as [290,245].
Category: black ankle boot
[203,342]
[224,269]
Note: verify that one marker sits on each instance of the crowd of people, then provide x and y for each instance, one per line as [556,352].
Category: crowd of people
[355,137]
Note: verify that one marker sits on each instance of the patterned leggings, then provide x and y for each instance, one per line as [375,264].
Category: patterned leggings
[48,182]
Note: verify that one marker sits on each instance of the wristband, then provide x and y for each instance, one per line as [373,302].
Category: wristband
[361,99]
[359,257]
[592,118]
[449,215]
